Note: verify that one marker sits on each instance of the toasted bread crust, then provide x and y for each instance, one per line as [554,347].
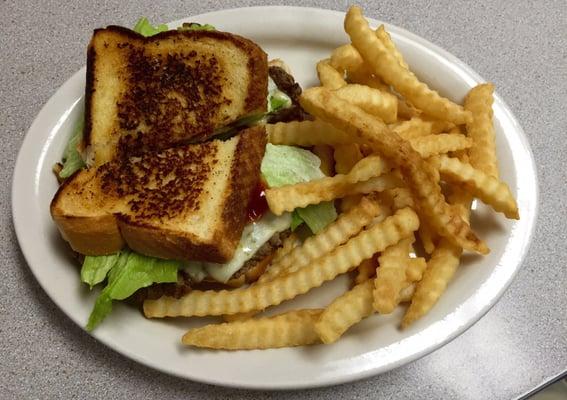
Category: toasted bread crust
[110,219]
[209,76]
[246,173]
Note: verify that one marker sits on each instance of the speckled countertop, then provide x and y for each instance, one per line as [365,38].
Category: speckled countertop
[518,346]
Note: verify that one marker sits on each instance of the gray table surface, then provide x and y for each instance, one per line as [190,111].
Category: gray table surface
[518,346]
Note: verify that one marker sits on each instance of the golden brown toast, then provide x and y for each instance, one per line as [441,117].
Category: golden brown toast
[187,202]
[148,94]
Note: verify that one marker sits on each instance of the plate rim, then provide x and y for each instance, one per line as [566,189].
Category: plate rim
[335,379]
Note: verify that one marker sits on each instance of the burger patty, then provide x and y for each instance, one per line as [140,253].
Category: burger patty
[287,84]
[185,284]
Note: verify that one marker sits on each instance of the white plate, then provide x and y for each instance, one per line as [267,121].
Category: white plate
[301,36]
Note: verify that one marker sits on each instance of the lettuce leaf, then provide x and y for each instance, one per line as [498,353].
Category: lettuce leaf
[194,26]
[296,220]
[95,268]
[145,28]
[72,160]
[287,165]
[318,216]
[130,272]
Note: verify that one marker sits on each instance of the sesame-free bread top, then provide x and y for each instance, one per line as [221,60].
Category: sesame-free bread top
[188,202]
[177,87]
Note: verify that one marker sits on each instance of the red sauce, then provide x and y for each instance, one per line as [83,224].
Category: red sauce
[258,204]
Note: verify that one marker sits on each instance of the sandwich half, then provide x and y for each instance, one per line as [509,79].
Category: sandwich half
[177,87]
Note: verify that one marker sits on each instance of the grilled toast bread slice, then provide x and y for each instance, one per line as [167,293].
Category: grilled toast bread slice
[187,202]
[177,87]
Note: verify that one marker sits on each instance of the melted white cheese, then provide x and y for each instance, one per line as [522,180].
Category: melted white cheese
[254,236]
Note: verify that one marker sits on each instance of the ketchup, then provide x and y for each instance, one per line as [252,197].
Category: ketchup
[258,204]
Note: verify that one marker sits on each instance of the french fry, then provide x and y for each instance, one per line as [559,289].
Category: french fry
[398,198]
[345,311]
[305,133]
[421,176]
[442,143]
[390,276]
[346,58]
[365,271]
[385,65]
[288,244]
[290,197]
[486,187]
[338,232]
[364,76]
[328,76]
[346,156]
[397,271]
[481,129]
[293,328]
[350,308]
[415,268]
[417,127]
[325,154]
[261,295]
[406,110]
[428,238]
[390,46]
[240,316]
[440,269]
[407,293]
[373,101]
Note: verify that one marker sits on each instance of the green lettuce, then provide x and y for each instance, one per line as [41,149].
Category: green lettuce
[194,26]
[287,165]
[296,220]
[72,160]
[130,271]
[95,268]
[145,28]
[318,216]
[278,100]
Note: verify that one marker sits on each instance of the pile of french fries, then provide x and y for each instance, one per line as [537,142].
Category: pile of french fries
[387,143]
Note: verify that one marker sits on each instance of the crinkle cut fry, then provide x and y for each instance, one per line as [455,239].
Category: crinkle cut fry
[440,270]
[486,187]
[441,267]
[482,155]
[422,178]
[345,311]
[328,76]
[391,276]
[386,40]
[293,328]
[336,233]
[299,134]
[261,295]
[288,198]
[385,64]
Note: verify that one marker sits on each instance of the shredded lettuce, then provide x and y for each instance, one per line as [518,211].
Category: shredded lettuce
[287,165]
[130,272]
[145,28]
[194,26]
[72,160]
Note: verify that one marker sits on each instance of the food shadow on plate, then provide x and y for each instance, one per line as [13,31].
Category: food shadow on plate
[486,221]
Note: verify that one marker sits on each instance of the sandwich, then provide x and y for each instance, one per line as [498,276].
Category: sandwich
[162,188]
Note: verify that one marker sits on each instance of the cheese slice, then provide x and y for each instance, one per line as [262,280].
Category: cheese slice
[254,236]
